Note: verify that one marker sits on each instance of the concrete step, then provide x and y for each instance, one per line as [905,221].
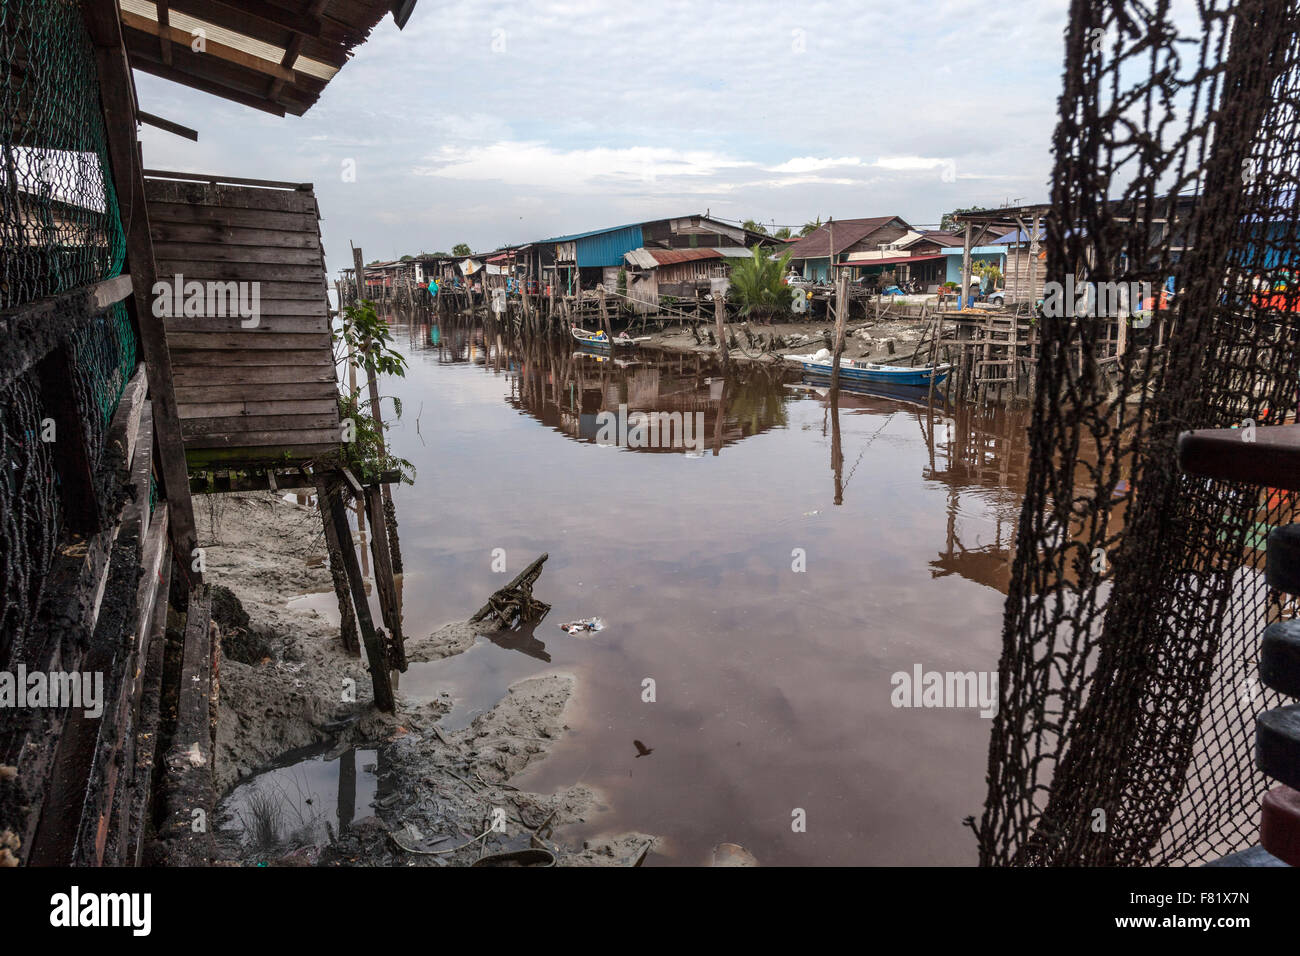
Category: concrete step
[1279,657]
[1282,565]
[1279,824]
[1277,744]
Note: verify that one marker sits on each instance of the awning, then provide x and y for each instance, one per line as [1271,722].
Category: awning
[871,263]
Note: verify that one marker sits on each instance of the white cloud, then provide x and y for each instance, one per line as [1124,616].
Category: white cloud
[537,164]
[808,164]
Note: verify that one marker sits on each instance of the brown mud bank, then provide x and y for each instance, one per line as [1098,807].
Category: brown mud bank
[287,685]
[891,341]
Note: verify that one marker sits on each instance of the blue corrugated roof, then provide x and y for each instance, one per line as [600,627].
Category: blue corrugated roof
[1020,235]
[593,232]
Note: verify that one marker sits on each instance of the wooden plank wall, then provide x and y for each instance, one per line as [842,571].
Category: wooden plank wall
[248,396]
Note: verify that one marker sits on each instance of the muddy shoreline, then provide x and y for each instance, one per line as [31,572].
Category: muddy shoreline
[287,684]
[890,341]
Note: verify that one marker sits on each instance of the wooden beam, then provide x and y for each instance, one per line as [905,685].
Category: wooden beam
[224,180]
[159,69]
[255,14]
[1267,455]
[167,125]
[32,331]
[211,47]
[164,35]
[117,98]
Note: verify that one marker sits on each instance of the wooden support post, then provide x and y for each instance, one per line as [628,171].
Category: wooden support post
[347,618]
[964,287]
[841,292]
[720,313]
[376,654]
[385,581]
[390,513]
[117,97]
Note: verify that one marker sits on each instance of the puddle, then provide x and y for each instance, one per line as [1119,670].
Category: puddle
[478,678]
[304,799]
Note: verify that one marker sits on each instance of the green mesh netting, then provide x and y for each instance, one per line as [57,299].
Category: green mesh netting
[104,354]
[59,222]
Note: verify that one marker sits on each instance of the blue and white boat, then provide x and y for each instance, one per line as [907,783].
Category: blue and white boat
[855,370]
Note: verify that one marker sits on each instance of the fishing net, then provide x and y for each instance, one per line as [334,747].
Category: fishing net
[59,230]
[1125,733]
[29,508]
[59,223]
[104,355]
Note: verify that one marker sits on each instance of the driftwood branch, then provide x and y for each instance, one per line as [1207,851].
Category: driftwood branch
[515,600]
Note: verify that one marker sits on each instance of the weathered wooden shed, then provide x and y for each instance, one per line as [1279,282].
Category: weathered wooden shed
[255,386]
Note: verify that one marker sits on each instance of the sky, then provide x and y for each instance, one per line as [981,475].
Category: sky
[493,122]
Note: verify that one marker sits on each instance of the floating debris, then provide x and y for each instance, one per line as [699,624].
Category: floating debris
[586,625]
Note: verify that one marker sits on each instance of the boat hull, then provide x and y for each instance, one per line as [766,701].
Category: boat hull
[881,376]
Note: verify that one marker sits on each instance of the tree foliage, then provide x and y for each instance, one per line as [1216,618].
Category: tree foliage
[758,286]
[368,336]
[461,249]
[811,226]
[749,225]
[948,223]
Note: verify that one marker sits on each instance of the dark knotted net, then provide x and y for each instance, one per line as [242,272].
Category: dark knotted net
[1137,601]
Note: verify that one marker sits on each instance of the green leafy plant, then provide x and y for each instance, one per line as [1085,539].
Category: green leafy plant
[366,454]
[365,334]
[758,284]
[461,249]
[368,336]
[989,272]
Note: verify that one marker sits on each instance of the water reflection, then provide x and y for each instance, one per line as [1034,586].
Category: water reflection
[774,684]
[568,389]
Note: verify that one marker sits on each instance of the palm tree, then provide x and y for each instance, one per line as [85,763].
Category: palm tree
[750,225]
[758,286]
[782,233]
[811,226]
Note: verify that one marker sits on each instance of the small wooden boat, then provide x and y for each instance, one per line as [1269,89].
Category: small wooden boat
[600,340]
[859,371]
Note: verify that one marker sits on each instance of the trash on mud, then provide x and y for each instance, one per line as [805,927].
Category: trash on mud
[412,840]
[533,857]
[586,625]
[733,854]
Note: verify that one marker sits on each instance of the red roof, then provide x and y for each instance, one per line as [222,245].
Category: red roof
[666,257]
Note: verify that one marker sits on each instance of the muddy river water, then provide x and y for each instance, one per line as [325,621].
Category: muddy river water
[770,581]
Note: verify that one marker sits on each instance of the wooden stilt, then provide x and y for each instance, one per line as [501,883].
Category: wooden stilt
[385,582]
[376,654]
[347,618]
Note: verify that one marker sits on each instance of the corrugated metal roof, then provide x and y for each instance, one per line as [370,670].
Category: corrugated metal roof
[592,232]
[1017,236]
[650,258]
[607,248]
